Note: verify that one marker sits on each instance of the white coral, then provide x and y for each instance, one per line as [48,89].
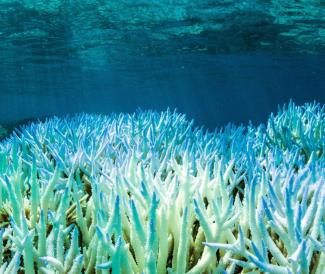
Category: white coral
[149,193]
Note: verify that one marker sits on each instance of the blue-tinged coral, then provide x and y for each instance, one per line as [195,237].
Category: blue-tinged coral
[150,193]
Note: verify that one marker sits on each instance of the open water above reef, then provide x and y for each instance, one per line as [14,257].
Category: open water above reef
[216,61]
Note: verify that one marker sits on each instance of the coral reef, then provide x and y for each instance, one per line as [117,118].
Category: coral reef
[150,193]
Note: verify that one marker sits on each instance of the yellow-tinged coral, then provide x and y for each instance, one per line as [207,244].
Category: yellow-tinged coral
[149,193]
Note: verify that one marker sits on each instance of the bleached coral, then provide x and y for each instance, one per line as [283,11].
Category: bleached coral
[149,193]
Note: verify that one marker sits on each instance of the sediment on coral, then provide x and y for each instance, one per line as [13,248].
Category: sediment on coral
[150,193]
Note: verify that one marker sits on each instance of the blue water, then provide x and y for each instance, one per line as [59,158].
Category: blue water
[216,61]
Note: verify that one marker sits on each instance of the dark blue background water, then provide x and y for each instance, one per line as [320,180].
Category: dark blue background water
[215,61]
[211,89]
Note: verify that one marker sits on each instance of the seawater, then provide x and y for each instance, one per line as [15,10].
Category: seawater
[216,61]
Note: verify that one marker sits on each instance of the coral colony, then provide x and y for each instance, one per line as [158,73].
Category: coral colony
[150,193]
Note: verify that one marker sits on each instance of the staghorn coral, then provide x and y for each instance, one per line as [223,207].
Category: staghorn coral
[150,193]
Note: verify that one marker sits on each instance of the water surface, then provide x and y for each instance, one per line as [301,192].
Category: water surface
[217,61]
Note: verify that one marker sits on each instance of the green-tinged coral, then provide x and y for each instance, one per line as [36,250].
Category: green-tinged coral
[299,127]
[150,193]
